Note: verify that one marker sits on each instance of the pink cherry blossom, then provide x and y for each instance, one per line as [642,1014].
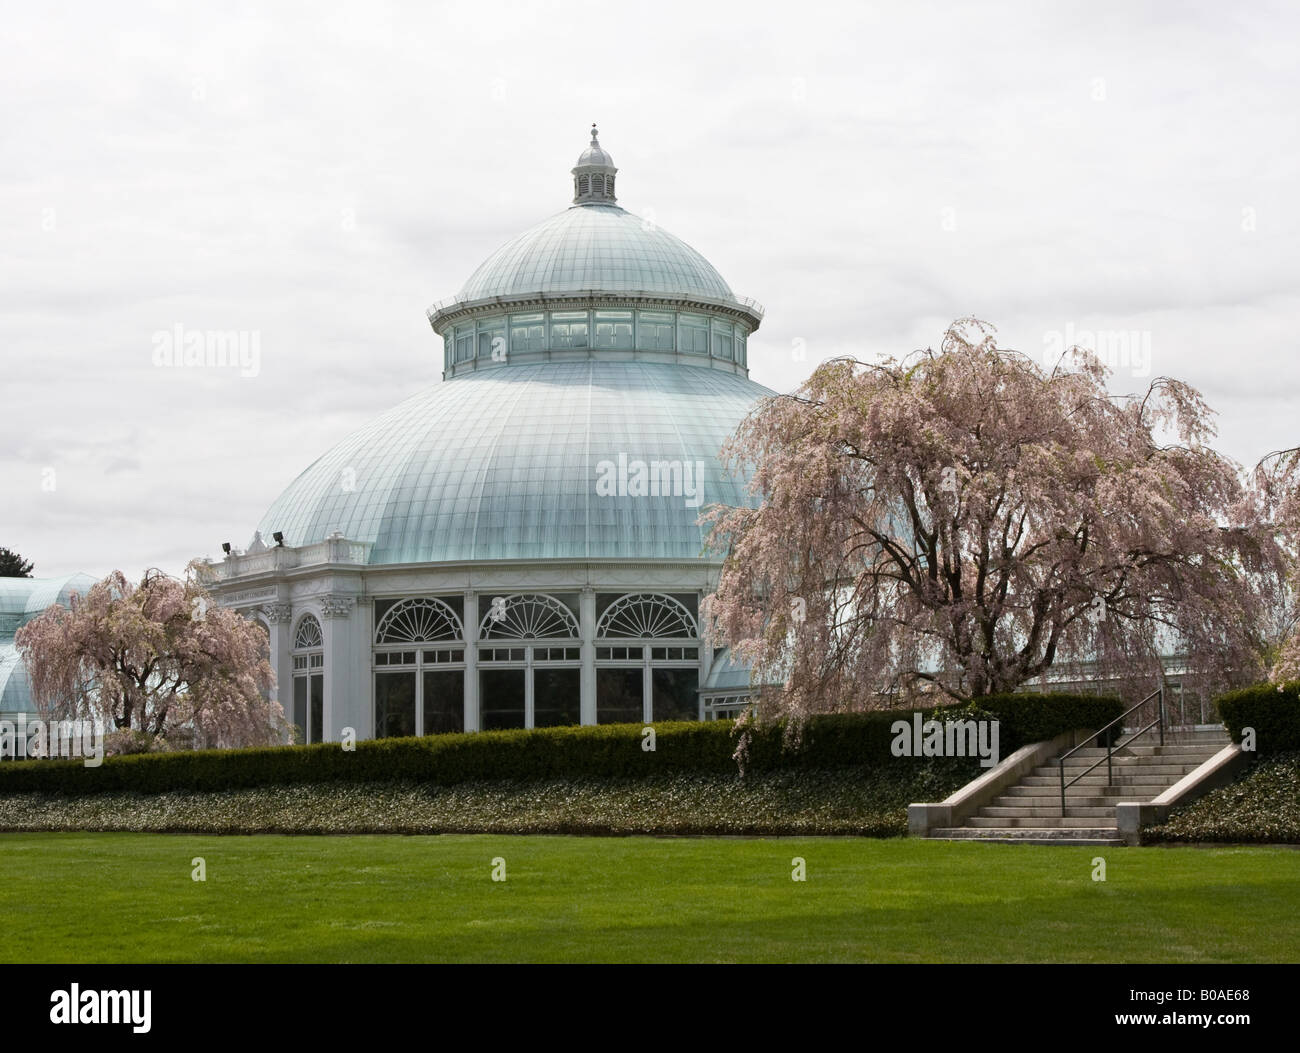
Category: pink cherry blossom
[159,658]
[962,522]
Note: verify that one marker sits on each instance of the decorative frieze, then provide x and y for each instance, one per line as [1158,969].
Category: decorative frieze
[556,576]
[234,599]
[337,606]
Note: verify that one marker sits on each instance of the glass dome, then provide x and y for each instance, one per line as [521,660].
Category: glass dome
[595,248]
[537,461]
[589,345]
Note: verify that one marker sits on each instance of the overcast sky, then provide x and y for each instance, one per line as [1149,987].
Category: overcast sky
[316,175]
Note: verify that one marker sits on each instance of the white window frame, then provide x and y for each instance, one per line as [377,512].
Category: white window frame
[420,647]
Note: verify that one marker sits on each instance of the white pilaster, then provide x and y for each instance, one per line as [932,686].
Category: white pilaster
[587,627]
[361,705]
[471,661]
[706,653]
[529,701]
[338,629]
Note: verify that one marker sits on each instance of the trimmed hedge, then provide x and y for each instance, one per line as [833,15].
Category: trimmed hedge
[1035,718]
[604,751]
[1272,710]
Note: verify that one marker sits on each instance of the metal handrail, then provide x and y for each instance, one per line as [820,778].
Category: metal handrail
[1112,747]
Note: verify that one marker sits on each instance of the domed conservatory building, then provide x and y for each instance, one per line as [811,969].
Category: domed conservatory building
[518,545]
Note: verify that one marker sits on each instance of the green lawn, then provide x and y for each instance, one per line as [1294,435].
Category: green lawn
[129,897]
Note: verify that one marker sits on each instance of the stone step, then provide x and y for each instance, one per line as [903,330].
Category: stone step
[1021,836]
[1071,801]
[1124,767]
[1197,741]
[1160,770]
[1170,759]
[1047,812]
[1079,791]
[1105,797]
[1169,750]
[1091,781]
[1029,812]
[1040,822]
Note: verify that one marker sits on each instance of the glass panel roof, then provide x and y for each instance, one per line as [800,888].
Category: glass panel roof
[595,247]
[503,464]
[30,596]
[21,600]
[15,688]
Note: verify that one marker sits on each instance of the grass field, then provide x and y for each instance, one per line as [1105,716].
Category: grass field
[131,897]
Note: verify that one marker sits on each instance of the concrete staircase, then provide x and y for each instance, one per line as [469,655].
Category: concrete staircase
[1029,811]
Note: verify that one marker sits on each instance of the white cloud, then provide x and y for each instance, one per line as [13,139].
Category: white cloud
[320,175]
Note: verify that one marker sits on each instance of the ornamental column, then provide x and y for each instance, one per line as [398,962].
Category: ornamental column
[340,700]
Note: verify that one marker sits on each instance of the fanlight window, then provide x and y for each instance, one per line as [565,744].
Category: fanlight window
[646,616]
[418,621]
[527,617]
[308,635]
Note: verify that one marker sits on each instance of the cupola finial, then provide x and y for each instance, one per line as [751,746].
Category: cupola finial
[593,175]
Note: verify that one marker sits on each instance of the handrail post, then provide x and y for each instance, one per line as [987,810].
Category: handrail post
[1161,714]
[1060,767]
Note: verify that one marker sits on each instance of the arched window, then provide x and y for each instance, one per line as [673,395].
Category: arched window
[528,617]
[647,660]
[419,667]
[646,616]
[309,680]
[418,621]
[530,672]
[309,635]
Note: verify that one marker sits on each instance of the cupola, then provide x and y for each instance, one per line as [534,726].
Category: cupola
[593,175]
